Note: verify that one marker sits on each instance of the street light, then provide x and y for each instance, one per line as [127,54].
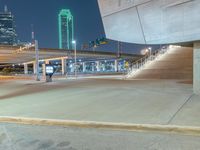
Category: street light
[150,49]
[74,43]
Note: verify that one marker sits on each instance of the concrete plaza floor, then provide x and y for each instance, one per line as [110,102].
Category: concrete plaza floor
[164,102]
[105,100]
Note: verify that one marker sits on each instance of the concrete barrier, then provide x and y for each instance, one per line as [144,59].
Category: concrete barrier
[166,129]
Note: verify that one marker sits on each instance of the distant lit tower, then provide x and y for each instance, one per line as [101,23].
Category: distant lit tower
[7,28]
[66,29]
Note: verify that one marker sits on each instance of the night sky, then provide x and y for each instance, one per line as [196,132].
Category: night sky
[43,15]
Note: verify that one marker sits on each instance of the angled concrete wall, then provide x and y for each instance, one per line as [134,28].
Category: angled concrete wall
[151,21]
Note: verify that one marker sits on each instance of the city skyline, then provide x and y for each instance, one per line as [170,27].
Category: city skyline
[7,28]
[42,18]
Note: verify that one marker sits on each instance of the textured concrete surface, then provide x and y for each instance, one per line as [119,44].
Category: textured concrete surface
[196,74]
[109,100]
[151,21]
[15,137]
[189,114]
[106,100]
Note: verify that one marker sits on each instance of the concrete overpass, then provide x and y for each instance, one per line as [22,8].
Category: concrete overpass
[15,55]
[8,54]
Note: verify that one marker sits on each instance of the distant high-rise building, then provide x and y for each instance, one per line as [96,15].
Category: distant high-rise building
[66,29]
[7,28]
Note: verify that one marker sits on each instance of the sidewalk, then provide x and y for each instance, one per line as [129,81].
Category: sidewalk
[104,100]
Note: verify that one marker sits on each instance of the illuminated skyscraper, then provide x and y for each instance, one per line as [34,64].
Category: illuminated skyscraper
[7,28]
[66,29]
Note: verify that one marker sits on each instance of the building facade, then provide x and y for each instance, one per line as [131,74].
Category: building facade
[7,28]
[66,29]
[151,21]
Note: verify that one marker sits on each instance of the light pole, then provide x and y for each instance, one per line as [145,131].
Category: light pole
[74,43]
[150,49]
[37,60]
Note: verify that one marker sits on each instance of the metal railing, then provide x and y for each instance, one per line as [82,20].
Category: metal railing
[139,64]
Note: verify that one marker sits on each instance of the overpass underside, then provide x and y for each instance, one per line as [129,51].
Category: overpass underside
[151,21]
[155,22]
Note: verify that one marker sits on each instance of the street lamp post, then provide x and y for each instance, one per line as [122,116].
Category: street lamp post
[74,42]
[150,52]
[37,60]
[150,49]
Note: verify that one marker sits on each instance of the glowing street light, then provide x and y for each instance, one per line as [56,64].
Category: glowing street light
[146,51]
[22,49]
[149,49]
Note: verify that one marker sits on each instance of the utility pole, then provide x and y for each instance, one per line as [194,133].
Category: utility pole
[37,60]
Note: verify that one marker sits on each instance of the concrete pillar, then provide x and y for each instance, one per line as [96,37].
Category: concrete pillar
[34,67]
[84,67]
[93,67]
[25,69]
[64,66]
[44,70]
[116,65]
[196,68]
[98,65]
[46,61]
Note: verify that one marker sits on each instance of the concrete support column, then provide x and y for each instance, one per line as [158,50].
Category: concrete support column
[84,67]
[44,67]
[64,66]
[196,68]
[34,68]
[98,65]
[44,70]
[25,69]
[47,62]
[116,65]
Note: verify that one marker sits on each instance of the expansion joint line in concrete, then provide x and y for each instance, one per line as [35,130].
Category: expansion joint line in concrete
[110,14]
[148,128]
[142,29]
[9,138]
[174,115]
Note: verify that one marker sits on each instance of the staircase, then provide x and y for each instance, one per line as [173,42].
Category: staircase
[172,62]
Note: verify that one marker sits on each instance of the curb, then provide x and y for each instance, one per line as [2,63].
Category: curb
[166,129]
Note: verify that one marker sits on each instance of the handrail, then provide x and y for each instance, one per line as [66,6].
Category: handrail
[138,64]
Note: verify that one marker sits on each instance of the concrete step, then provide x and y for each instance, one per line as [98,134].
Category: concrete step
[175,64]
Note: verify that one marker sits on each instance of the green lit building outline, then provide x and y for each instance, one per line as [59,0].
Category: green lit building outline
[66,29]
